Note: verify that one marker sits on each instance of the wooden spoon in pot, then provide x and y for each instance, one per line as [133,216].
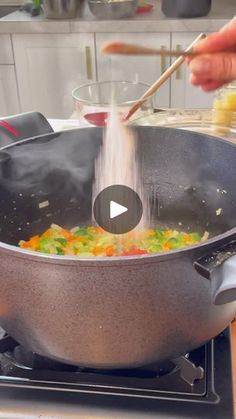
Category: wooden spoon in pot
[162,79]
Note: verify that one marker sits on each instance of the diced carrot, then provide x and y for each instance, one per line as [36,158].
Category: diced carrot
[110,251]
[34,238]
[33,243]
[99,230]
[97,250]
[71,238]
[47,234]
[166,248]
[25,244]
[66,233]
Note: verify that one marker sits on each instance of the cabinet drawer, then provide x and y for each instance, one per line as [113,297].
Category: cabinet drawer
[6,53]
[49,67]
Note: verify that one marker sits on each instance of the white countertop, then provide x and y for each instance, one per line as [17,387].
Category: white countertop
[21,22]
[65,124]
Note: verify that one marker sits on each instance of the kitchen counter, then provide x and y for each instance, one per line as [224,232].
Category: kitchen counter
[21,22]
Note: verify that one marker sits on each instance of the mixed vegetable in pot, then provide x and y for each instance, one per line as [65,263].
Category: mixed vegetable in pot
[94,241]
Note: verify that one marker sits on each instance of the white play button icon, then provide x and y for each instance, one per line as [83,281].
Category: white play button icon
[116,209]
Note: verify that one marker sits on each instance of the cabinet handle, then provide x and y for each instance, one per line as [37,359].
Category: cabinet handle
[88,59]
[178,71]
[163,61]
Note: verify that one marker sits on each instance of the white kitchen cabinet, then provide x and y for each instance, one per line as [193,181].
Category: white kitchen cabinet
[183,93]
[143,69]
[9,104]
[6,54]
[49,67]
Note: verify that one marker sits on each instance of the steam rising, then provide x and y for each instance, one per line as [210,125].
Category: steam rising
[60,160]
[59,167]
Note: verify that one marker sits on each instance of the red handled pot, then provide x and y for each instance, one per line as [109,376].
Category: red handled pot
[18,127]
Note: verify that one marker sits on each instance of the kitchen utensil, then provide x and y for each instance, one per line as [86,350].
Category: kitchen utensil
[118,311]
[162,79]
[61,9]
[113,9]
[186,8]
[121,48]
[92,101]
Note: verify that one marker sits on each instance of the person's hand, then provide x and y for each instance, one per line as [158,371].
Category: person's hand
[211,71]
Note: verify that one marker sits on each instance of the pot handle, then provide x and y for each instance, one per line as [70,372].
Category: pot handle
[220,268]
[25,125]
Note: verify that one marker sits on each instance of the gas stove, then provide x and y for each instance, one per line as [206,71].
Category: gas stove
[197,385]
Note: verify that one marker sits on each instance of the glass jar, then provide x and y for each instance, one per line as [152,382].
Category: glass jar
[93,101]
[224,108]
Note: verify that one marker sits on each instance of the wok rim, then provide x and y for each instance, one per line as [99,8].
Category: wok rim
[209,244]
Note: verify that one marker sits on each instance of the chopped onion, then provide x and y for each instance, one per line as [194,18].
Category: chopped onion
[74,229]
[205,236]
[56,227]
[43,204]
[219,211]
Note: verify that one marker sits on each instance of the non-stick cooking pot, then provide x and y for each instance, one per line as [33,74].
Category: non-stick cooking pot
[118,311]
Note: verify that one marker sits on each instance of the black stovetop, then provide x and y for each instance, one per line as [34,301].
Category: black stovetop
[198,385]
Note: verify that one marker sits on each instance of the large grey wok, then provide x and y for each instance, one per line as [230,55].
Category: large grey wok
[118,312]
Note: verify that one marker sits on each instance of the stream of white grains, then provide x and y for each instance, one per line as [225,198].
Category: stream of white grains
[117,163]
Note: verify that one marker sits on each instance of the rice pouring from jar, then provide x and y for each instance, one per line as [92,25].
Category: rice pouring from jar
[117,163]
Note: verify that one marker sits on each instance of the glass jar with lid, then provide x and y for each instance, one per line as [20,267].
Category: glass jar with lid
[224,108]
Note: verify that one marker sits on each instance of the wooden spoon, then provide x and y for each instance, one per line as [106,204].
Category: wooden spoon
[165,76]
[121,48]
